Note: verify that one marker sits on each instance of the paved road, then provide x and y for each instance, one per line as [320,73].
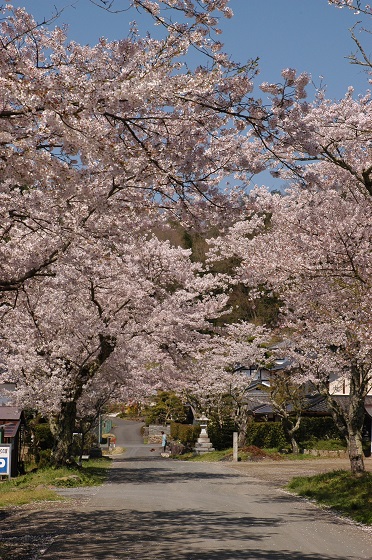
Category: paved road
[158,509]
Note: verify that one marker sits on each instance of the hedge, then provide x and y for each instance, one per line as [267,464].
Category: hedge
[271,434]
[266,435]
[221,436]
[185,433]
[313,428]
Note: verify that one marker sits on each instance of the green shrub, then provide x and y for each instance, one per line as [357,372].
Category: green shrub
[43,437]
[221,436]
[167,406]
[43,443]
[321,428]
[185,433]
[43,458]
[311,430]
[266,435]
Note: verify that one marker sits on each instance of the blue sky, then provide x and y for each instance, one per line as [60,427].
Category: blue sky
[308,35]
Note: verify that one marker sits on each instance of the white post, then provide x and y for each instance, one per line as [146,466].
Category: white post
[235,446]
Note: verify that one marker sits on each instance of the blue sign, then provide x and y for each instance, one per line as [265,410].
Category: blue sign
[3,465]
[5,450]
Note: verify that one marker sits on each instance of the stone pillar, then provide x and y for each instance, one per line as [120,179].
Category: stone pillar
[235,446]
[203,445]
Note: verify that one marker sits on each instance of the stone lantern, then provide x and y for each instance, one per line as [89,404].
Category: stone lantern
[203,445]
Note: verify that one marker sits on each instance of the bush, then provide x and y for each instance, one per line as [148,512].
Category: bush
[311,430]
[167,405]
[43,437]
[185,433]
[266,435]
[43,458]
[221,436]
[317,428]
[43,443]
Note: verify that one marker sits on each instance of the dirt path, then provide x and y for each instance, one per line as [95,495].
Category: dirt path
[279,473]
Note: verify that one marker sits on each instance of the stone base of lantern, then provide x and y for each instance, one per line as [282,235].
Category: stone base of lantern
[203,445]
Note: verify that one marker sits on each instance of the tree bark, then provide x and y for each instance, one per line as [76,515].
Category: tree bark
[65,422]
[63,433]
[294,445]
[355,449]
[289,430]
[350,418]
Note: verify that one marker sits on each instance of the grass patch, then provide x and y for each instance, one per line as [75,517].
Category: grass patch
[245,454]
[326,445]
[343,492]
[211,456]
[20,497]
[39,486]
[250,453]
[221,455]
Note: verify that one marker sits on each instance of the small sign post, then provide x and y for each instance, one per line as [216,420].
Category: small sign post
[5,459]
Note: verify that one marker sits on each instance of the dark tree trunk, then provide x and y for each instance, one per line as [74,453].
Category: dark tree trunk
[355,449]
[65,422]
[349,418]
[63,433]
[355,422]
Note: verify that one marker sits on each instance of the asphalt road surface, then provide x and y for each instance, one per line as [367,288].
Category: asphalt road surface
[154,508]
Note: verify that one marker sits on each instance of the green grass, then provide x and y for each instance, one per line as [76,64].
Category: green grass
[343,492]
[250,453]
[211,456]
[39,486]
[326,445]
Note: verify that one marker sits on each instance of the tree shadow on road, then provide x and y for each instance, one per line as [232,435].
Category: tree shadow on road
[163,475]
[179,534]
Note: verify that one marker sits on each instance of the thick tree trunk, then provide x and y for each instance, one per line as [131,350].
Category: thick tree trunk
[349,418]
[63,433]
[65,422]
[243,427]
[356,414]
[355,449]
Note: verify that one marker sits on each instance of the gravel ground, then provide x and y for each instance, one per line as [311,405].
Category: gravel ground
[279,473]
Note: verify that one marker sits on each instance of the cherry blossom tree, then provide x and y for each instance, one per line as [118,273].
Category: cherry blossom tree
[135,315]
[79,142]
[94,151]
[80,149]
[312,246]
[222,383]
[288,401]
